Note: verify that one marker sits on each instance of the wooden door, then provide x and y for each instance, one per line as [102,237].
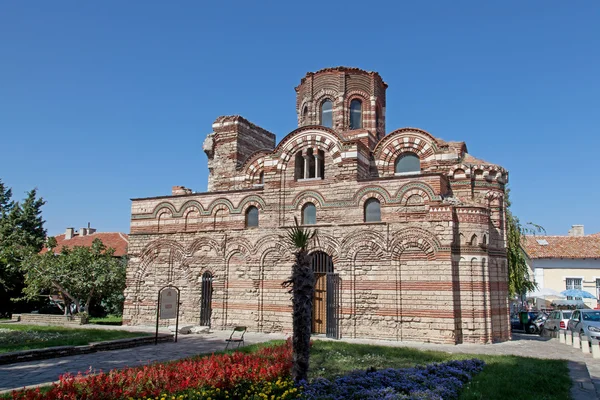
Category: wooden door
[319,304]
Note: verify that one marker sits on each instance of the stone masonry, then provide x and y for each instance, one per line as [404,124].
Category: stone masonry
[431,268]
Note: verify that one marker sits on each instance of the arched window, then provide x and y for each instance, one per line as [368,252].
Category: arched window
[372,210]
[310,160]
[327,114]
[299,172]
[305,115]
[355,114]
[309,214]
[261,178]
[251,217]
[407,162]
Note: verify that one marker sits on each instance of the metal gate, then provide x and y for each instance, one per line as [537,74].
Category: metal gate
[206,299]
[333,305]
[322,266]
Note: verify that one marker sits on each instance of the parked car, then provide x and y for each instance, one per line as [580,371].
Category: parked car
[585,322]
[557,320]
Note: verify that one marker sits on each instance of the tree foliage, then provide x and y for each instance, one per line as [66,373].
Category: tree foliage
[302,284]
[519,280]
[22,233]
[78,275]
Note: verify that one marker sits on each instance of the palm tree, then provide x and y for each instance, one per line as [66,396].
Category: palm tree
[302,283]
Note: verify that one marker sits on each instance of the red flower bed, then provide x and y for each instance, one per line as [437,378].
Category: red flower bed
[221,371]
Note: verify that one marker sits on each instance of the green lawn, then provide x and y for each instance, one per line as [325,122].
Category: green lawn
[108,320]
[504,377]
[25,337]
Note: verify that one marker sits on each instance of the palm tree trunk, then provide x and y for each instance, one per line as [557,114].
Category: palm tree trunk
[303,287]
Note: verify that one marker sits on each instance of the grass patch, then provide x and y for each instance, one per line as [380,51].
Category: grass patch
[504,377]
[108,320]
[26,337]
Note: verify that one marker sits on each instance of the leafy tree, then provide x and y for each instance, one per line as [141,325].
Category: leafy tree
[302,283]
[22,233]
[79,274]
[519,280]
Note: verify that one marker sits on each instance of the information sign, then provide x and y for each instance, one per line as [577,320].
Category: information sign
[168,303]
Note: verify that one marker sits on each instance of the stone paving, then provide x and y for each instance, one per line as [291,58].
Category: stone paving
[39,372]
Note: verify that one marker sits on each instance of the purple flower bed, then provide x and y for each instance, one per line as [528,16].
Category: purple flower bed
[430,382]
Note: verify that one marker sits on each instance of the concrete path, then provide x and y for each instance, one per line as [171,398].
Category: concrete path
[39,372]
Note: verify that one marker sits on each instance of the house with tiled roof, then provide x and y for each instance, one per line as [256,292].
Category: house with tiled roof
[85,236]
[566,262]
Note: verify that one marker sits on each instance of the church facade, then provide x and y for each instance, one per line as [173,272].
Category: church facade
[411,228]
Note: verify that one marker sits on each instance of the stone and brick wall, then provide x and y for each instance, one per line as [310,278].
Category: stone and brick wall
[433,269]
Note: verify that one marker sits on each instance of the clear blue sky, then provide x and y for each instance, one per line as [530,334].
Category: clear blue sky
[103,101]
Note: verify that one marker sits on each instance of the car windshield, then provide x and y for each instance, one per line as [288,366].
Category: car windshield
[592,316]
[566,315]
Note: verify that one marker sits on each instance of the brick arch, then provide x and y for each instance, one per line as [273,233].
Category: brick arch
[415,187]
[414,237]
[325,94]
[239,244]
[149,255]
[202,241]
[327,244]
[355,241]
[186,217]
[277,247]
[222,202]
[165,205]
[253,166]
[251,200]
[267,242]
[163,216]
[191,204]
[306,196]
[156,245]
[401,141]
[365,193]
[315,136]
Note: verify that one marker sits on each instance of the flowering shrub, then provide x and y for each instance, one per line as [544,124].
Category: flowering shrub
[219,373]
[430,382]
[282,389]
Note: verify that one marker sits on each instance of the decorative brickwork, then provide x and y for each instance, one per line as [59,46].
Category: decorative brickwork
[432,269]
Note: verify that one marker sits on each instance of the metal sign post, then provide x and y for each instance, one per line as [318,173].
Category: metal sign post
[167,307]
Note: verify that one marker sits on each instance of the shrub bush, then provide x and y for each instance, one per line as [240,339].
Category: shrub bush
[431,382]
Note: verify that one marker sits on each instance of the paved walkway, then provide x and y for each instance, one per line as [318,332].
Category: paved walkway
[38,372]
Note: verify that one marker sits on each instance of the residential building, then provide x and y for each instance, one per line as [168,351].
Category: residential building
[566,262]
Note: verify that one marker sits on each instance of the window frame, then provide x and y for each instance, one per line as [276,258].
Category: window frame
[248,210]
[327,100]
[304,208]
[404,155]
[352,112]
[369,201]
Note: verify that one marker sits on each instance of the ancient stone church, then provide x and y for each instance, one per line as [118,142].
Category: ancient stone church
[410,227]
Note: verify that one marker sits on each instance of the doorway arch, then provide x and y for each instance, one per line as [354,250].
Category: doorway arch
[325,311]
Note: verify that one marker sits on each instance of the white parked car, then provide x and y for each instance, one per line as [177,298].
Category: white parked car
[557,320]
[585,323]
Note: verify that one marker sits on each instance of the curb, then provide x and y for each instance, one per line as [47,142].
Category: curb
[582,387]
[64,351]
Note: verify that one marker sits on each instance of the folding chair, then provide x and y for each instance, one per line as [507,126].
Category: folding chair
[237,336]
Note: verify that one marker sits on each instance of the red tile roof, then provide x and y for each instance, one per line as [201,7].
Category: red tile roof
[116,240]
[563,246]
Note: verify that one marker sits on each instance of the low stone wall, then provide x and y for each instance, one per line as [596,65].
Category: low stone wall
[64,351]
[51,319]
